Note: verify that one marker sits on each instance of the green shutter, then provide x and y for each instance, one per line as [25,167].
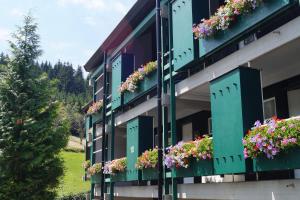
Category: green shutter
[122,67]
[236,103]
[139,139]
[116,81]
[185,13]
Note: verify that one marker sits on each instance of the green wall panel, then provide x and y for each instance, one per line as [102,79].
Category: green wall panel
[185,13]
[122,67]
[244,24]
[144,86]
[139,139]
[236,103]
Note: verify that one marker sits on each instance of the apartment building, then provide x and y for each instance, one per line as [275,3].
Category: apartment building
[219,76]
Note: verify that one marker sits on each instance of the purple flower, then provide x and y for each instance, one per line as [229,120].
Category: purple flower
[274,151]
[169,162]
[257,124]
[293,140]
[244,142]
[271,130]
[269,147]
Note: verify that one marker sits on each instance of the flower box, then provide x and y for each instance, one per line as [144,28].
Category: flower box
[149,82]
[203,167]
[118,177]
[283,161]
[149,174]
[196,168]
[242,25]
[96,179]
[182,172]
[97,117]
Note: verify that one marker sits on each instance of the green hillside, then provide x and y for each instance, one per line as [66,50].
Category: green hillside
[72,181]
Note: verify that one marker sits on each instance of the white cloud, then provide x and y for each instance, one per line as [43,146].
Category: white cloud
[91,21]
[120,7]
[103,5]
[89,4]
[16,12]
[4,34]
[60,46]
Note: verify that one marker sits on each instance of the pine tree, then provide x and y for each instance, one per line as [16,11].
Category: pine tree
[32,128]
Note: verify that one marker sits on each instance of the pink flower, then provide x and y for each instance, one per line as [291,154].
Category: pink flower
[245,153]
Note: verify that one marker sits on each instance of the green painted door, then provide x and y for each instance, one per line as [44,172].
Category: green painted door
[236,103]
[139,139]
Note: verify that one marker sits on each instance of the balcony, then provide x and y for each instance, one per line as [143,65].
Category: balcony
[243,25]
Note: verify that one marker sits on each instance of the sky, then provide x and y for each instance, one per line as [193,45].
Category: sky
[70,30]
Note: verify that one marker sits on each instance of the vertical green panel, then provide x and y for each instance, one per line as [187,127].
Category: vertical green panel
[122,67]
[185,13]
[116,81]
[182,34]
[236,103]
[139,139]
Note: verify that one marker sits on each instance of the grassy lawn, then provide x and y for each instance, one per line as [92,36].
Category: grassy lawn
[72,181]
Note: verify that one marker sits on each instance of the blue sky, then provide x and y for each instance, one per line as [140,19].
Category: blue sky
[70,30]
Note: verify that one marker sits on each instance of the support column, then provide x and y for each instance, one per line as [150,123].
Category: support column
[172,96]
[104,138]
[112,152]
[92,159]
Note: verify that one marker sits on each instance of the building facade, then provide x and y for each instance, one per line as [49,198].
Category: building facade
[218,78]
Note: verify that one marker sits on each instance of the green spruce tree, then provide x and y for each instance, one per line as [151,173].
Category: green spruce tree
[32,128]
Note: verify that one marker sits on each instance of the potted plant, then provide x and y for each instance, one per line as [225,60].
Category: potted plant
[116,169]
[147,163]
[192,158]
[95,107]
[94,172]
[86,164]
[132,82]
[274,145]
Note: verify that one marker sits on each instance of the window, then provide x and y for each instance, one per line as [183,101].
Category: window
[270,108]
[98,130]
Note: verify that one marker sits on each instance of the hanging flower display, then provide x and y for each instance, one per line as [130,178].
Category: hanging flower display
[86,164]
[203,148]
[95,169]
[148,159]
[224,17]
[272,138]
[115,166]
[131,83]
[180,155]
[95,107]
